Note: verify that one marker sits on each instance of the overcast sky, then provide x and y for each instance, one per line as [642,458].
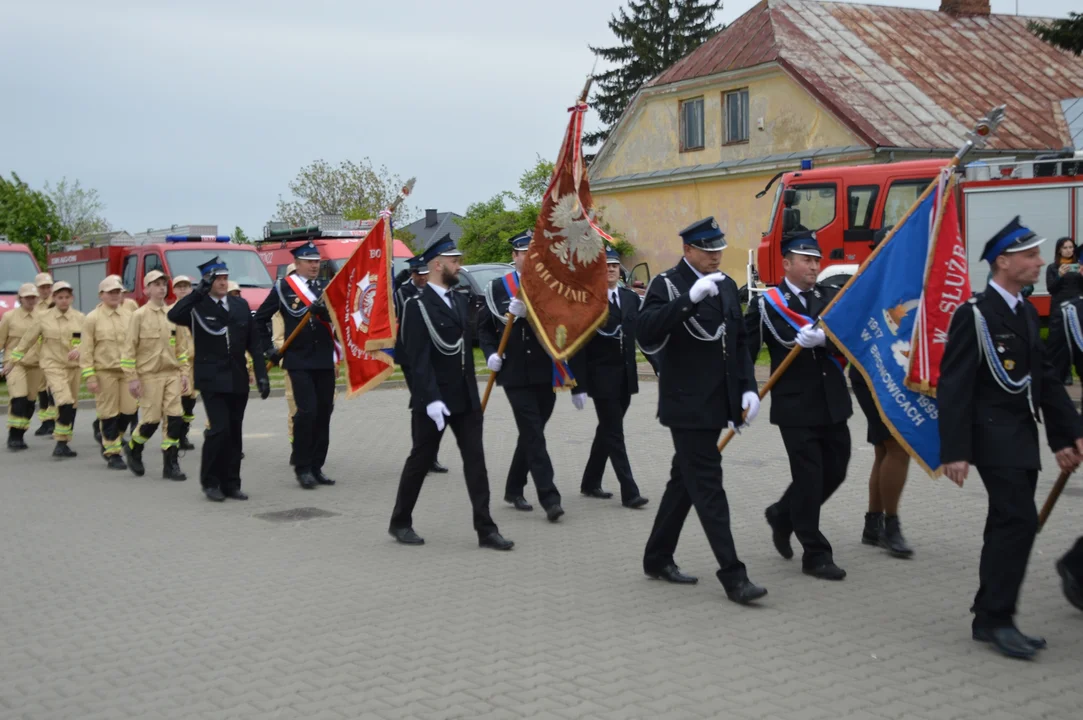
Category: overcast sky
[202,111]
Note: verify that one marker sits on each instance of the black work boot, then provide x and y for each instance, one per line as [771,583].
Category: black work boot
[892,539]
[134,452]
[171,465]
[874,528]
[15,439]
[47,427]
[97,426]
[115,462]
[185,444]
[63,451]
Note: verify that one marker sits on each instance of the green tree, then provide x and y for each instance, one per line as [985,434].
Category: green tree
[653,35]
[29,217]
[1066,34]
[240,236]
[355,190]
[79,209]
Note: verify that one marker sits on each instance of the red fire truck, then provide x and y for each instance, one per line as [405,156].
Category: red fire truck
[336,238]
[174,255]
[17,266]
[850,208]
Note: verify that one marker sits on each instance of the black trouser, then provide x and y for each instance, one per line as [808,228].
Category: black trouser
[467,428]
[532,406]
[1010,528]
[609,445]
[222,444]
[818,460]
[314,396]
[1074,560]
[695,478]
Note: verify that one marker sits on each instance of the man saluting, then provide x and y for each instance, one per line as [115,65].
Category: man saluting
[995,383]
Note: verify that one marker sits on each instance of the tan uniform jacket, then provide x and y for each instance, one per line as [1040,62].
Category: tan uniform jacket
[59,333]
[152,344]
[13,326]
[104,332]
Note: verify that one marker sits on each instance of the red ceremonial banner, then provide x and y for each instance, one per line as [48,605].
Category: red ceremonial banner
[359,300]
[563,279]
[947,286]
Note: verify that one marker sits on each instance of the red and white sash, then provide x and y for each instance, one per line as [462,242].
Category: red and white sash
[306,296]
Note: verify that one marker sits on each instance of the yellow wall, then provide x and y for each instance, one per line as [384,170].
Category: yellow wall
[793,121]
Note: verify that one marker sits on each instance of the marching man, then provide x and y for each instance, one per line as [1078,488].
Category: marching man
[155,363]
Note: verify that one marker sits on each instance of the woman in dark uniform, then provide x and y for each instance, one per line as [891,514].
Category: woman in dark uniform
[1064,282]
[886,481]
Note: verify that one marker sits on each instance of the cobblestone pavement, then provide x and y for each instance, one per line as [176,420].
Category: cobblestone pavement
[136,598]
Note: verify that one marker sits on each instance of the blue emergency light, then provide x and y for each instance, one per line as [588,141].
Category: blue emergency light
[196,238]
[806,164]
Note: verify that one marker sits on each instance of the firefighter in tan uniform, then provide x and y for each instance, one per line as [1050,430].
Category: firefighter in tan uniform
[124,421]
[24,378]
[59,330]
[46,407]
[155,362]
[182,287]
[104,333]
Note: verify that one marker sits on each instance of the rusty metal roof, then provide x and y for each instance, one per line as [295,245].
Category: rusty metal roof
[900,77]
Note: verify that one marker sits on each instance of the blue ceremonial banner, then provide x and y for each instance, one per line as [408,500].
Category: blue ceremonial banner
[872,323]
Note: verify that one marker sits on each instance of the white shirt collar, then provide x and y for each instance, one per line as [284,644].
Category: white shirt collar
[697,272]
[442,292]
[1012,300]
[614,295]
[795,290]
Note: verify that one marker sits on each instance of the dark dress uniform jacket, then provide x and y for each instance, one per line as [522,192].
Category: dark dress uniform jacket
[606,366]
[812,392]
[434,375]
[218,361]
[404,292]
[982,423]
[313,348]
[700,383]
[525,360]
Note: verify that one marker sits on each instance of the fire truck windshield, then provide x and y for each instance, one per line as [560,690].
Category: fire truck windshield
[15,269]
[245,267]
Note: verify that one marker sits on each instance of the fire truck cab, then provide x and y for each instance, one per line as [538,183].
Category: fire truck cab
[852,207]
[17,266]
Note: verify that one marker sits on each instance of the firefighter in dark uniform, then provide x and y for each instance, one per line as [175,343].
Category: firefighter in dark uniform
[810,403]
[692,314]
[1070,569]
[309,360]
[411,286]
[996,383]
[222,330]
[437,341]
[526,374]
[605,369]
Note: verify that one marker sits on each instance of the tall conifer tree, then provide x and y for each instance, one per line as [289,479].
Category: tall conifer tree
[1066,34]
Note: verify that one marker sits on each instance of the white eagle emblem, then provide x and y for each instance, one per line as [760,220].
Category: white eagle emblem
[580,242]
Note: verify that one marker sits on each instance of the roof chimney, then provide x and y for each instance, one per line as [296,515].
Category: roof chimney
[965,7]
[430,218]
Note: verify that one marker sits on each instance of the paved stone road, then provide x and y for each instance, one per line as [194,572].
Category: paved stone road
[135,598]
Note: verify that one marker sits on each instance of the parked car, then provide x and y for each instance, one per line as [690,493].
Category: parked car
[473,279]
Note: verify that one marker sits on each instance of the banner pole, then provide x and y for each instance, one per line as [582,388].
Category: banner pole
[981,132]
[1050,501]
[500,353]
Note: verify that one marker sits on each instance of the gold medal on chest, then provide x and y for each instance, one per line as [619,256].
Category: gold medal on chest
[1009,364]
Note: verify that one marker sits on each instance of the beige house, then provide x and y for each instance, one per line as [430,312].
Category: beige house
[834,83]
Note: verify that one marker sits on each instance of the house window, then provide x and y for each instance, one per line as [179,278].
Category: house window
[692,124]
[737,116]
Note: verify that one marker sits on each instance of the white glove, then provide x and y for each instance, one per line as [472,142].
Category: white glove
[706,286]
[437,411]
[495,362]
[579,400]
[517,307]
[750,403]
[810,337]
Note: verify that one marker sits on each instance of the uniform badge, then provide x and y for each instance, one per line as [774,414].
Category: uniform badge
[1001,349]
[1009,364]
[816,292]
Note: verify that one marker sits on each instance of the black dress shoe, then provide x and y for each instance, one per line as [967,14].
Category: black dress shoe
[825,571]
[307,480]
[115,462]
[406,536]
[1009,641]
[781,538]
[596,493]
[635,503]
[519,502]
[745,592]
[321,478]
[437,467]
[671,573]
[1070,584]
[63,451]
[214,494]
[554,513]
[496,541]
[236,495]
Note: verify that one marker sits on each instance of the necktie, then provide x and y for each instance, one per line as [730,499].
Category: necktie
[613,298]
[806,298]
